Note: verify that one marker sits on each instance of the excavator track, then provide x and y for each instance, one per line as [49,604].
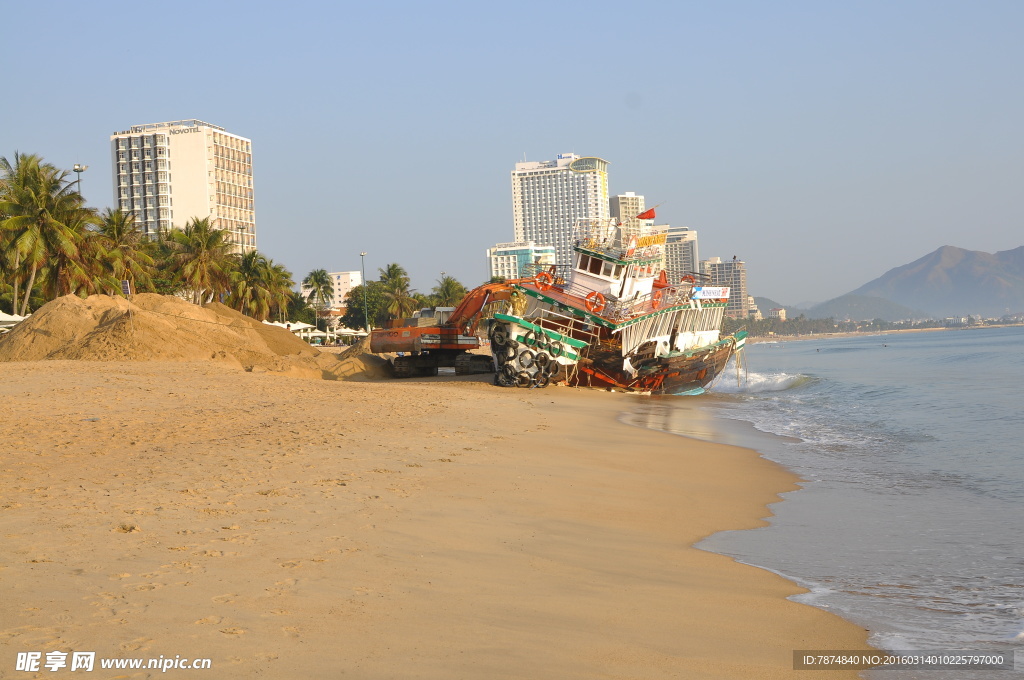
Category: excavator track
[472,364]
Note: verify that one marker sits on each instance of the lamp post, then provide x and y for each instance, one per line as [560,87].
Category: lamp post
[79,169]
[366,314]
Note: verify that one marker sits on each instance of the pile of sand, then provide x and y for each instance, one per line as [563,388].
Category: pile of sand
[162,327]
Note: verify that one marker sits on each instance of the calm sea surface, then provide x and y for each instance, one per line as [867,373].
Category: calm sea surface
[911,522]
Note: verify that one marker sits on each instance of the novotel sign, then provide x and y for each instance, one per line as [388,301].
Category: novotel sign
[184,130]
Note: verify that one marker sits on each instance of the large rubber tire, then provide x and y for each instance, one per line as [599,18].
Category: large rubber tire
[524,379]
[527,358]
[499,335]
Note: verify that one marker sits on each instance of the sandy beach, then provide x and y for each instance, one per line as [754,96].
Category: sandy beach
[441,528]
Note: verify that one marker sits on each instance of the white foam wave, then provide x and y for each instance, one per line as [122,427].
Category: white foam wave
[753,382]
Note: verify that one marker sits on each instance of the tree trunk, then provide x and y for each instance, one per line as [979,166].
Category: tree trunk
[28,291]
[16,284]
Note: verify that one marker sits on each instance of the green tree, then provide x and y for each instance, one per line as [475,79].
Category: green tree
[124,253]
[79,270]
[37,202]
[201,259]
[394,275]
[376,306]
[398,300]
[299,309]
[280,284]
[448,292]
[258,286]
[250,290]
[321,291]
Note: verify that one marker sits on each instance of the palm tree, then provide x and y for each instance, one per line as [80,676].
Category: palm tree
[448,292]
[398,300]
[280,284]
[258,286]
[201,259]
[37,201]
[321,290]
[123,251]
[394,274]
[250,293]
[78,271]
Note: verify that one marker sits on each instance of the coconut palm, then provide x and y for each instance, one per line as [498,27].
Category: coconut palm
[77,271]
[399,301]
[448,292]
[201,259]
[394,274]
[249,291]
[280,284]
[37,202]
[321,288]
[123,251]
[258,286]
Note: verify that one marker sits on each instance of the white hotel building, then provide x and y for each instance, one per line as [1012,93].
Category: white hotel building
[548,197]
[168,173]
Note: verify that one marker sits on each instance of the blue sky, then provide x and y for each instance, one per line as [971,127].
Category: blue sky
[822,142]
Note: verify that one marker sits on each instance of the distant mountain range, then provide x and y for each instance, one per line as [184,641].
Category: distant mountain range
[948,282]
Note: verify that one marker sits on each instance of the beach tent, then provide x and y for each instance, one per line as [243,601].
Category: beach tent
[10,320]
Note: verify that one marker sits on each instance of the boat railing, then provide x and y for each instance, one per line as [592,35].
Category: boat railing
[559,273]
[618,310]
[566,325]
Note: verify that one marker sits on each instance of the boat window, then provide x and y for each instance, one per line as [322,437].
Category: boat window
[618,271]
[595,266]
[583,261]
[608,269]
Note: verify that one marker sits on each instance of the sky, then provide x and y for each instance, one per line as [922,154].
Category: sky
[821,142]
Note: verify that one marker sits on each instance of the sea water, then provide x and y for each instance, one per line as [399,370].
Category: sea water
[910,521]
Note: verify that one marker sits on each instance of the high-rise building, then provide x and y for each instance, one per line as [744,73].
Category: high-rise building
[681,257]
[169,173]
[731,273]
[548,197]
[624,208]
[509,260]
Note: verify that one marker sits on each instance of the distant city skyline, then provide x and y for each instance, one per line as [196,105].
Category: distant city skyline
[821,143]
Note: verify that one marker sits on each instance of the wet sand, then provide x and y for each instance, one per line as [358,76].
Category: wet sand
[292,528]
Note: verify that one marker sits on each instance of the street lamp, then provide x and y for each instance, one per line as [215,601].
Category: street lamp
[79,169]
[366,314]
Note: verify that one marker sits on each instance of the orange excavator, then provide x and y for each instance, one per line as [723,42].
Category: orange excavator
[424,348]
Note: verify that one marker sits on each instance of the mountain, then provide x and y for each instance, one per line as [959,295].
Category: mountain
[862,308]
[765,304]
[955,282]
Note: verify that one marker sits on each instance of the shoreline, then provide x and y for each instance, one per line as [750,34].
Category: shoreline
[429,528]
[854,334]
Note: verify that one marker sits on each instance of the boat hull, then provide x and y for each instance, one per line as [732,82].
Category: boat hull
[687,373]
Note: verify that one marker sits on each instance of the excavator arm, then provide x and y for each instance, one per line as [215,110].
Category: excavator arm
[466,316]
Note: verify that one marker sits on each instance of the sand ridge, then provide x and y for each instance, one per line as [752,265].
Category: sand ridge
[154,327]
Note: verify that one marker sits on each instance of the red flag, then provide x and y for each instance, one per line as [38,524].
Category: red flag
[646,215]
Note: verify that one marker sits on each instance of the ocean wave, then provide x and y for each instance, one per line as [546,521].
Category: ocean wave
[755,383]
